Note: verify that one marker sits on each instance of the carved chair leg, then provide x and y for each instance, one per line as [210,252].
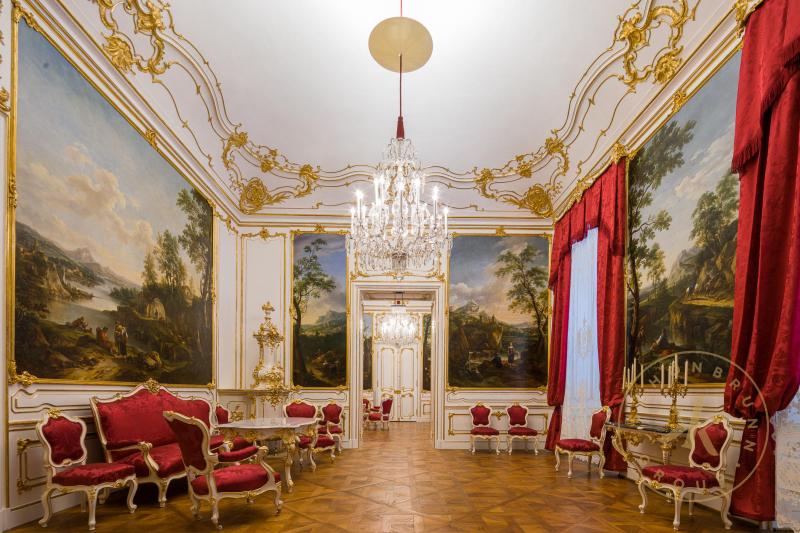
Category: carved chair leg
[103,495]
[676,522]
[333,455]
[215,513]
[163,485]
[558,458]
[510,444]
[91,496]
[643,492]
[601,464]
[472,444]
[496,445]
[310,454]
[690,499]
[48,511]
[277,500]
[535,446]
[133,485]
[723,511]
[195,506]
[569,464]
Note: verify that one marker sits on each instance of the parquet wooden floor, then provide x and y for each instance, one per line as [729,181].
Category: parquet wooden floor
[398,482]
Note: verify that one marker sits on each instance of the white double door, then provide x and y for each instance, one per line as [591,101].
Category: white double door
[398,372]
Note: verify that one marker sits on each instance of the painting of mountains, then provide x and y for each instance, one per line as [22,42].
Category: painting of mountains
[498,312]
[113,248]
[682,223]
[319,312]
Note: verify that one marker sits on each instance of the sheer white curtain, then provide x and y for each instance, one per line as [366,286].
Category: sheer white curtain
[582,388]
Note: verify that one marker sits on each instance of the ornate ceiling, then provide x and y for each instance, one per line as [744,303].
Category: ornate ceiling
[280,105]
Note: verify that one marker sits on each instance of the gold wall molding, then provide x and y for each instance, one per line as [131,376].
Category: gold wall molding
[141,37]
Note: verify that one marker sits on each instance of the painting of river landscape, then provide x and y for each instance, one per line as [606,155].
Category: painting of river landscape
[682,223]
[366,335]
[113,252]
[498,309]
[319,310]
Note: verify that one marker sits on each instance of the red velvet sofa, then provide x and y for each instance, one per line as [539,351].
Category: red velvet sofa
[132,430]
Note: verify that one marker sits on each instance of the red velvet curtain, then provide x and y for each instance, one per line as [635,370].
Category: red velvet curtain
[766,322]
[602,206]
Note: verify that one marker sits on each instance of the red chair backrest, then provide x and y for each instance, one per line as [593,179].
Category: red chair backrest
[223,416]
[480,415]
[332,413]
[64,439]
[709,443]
[599,419]
[386,406]
[192,436]
[517,415]
[301,409]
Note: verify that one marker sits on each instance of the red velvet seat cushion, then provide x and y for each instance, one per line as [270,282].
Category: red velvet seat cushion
[685,476]
[335,430]
[168,458]
[522,431]
[240,443]
[93,474]
[237,478]
[237,455]
[216,441]
[484,430]
[323,441]
[375,416]
[577,445]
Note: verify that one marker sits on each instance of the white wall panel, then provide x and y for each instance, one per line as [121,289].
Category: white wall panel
[226,338]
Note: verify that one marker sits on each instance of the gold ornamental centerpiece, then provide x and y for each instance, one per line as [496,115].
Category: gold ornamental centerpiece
[268,377]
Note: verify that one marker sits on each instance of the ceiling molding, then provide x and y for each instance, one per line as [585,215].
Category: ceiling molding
[649,47]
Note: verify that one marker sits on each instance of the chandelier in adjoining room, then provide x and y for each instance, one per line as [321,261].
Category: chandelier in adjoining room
[399,231]
[398,327]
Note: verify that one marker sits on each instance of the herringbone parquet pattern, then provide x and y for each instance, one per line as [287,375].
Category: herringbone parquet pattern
[398,482]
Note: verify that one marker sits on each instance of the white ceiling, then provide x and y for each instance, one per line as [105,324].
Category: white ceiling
[297,76]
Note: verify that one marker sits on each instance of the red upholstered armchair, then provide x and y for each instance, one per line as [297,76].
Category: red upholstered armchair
[708,452]
[332,423]
[482,429]
[305,443]
[381,415]
[63,441]
[223,417]
[132,430]
[212,485]
[518,428]
[591,447]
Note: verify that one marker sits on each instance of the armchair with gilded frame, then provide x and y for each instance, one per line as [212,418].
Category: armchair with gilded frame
[591,447]
[708,451]
[63,440]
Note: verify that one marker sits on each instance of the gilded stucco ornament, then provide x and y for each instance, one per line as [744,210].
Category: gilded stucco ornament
[119,53]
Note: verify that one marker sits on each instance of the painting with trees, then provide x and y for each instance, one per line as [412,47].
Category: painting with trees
[366,336]
[113,248]
[319,310]
[498,312]
[427,331]
[682,221]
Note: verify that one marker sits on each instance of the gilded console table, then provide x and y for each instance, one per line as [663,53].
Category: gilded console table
[634,434]
[285,429]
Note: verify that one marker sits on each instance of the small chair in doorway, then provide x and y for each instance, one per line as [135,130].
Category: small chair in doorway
[381,415]
[482,429]
[332,423]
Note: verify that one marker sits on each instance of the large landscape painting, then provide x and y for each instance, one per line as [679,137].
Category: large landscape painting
[683,214]
[366,333]
[113,252]
[498,308]
[426,351]
[319,313]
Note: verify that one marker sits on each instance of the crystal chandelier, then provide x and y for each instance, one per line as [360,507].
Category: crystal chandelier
[398,327]
[399,232]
